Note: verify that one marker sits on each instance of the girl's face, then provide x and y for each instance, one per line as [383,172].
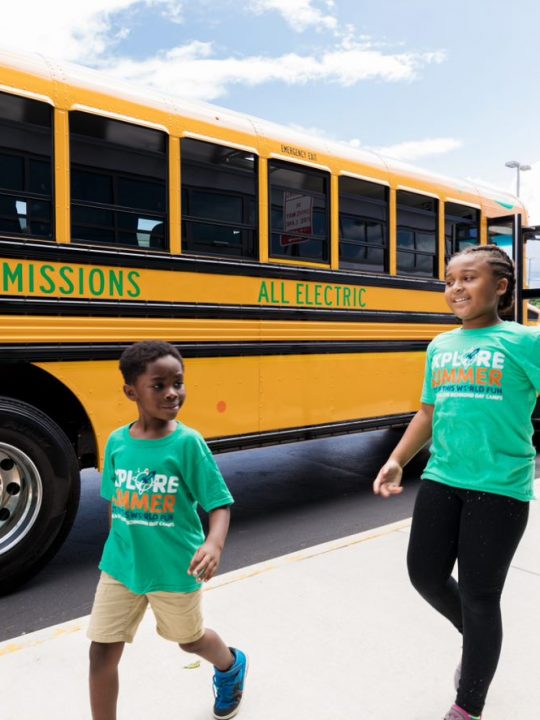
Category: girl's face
[472,290]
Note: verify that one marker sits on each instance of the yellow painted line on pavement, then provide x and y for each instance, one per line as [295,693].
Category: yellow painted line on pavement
[306,554]
[315,551]
[60,631]
[45,635]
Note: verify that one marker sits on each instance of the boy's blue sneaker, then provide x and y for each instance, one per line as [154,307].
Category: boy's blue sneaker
[229,686]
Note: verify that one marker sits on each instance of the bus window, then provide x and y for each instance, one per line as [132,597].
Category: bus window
[417,225]
[299,216]
[461,227]
[118,182]
[500,231]
[25,167]
[363,225]
[219,200]
[532,263]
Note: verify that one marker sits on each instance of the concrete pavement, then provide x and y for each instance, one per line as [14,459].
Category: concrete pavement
[333,632]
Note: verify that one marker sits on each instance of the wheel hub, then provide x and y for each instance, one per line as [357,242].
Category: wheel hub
[21,493]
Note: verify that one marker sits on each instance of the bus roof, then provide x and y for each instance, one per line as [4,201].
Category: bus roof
[97,81]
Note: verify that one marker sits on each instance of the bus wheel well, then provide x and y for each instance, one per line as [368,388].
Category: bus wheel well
[35,386]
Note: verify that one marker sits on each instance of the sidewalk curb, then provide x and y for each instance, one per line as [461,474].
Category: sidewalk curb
[61,630]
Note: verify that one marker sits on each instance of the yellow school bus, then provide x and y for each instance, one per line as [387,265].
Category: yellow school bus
[301,279]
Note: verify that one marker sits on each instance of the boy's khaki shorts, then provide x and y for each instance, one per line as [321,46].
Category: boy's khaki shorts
[117,612]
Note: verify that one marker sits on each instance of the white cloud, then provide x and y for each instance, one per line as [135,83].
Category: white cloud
[299,14]
[406,151]
[192,71]
[172,10]
[89,32]
[79,32]
[313,131]
[415,149]
[122,34]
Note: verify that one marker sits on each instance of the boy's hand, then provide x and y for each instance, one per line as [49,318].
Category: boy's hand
[205,562]
[388,481]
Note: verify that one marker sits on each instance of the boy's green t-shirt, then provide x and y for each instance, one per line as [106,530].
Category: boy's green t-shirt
[154,487]
[484,384]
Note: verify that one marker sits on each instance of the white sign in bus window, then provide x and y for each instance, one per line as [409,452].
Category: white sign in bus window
[297,218]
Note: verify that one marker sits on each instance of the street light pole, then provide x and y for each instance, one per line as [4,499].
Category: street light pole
[517,245]
[519,169]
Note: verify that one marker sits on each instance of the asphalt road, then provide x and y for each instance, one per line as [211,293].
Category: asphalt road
[287,497]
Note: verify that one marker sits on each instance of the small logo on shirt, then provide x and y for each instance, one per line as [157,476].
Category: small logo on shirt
[468,356]
[144,480]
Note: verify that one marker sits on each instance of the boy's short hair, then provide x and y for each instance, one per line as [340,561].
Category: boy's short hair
[136,357]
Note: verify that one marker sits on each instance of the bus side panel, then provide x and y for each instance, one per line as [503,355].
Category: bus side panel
[305,390]
[233,396]
[222,395]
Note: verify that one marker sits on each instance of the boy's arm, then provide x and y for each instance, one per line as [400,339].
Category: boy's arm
[205,562]
[417,434]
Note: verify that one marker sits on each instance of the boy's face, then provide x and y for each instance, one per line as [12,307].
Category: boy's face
[159,392]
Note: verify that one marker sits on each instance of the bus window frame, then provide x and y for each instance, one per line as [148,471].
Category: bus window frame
[453,201]
[286,163]
[388,236]
[116,175]
[26,195]
[437,232]
[256,229]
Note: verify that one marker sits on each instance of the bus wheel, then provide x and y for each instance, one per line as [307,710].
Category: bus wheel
[39,491]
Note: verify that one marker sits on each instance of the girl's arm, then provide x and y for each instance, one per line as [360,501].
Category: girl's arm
[205,562]
[418,433]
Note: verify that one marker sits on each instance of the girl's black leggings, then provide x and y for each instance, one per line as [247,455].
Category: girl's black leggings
[481,531]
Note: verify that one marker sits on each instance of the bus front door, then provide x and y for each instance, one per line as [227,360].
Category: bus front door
[506,233]
[531,288]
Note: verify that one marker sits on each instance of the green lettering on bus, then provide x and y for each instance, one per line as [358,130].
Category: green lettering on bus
[69,287]
[133,277]
[99,287]
[116,283]
[12,276]
[263,293]
[50,287]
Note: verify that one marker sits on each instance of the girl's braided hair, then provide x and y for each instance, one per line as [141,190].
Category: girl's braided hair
[502,266]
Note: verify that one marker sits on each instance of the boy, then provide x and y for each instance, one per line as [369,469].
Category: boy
[156,472]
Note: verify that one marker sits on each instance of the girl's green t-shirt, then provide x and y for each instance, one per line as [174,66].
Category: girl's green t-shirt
[483,385]
[154,487]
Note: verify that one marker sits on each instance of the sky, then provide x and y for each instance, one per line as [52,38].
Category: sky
[450,87]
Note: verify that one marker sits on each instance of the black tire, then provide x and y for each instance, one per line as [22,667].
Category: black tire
[39,491]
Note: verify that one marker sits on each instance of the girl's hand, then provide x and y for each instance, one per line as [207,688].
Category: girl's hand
[205,562]
[388,481]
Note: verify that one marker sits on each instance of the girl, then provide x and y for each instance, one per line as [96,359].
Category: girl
[480,389]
